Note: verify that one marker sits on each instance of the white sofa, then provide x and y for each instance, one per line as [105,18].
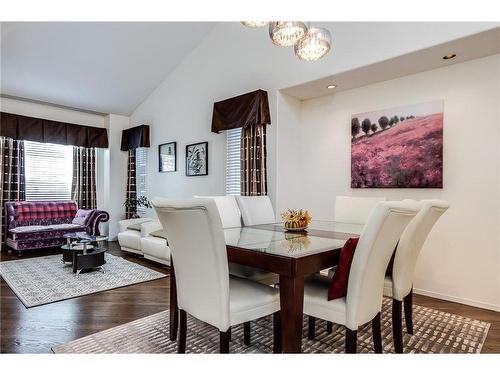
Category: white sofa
[129,239]
[154,248]
[141,241]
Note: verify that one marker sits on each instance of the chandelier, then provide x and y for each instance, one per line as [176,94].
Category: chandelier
[310,43]
[254,24]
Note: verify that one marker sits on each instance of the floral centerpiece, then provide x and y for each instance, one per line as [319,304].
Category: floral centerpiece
[296,219]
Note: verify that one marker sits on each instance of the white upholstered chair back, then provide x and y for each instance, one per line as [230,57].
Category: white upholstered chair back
[355,209]
[256,210]
[196,240]
[229,210]
[411,243]
[373,252]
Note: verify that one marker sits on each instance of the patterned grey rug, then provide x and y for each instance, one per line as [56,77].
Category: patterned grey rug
[42,280]
[434,332]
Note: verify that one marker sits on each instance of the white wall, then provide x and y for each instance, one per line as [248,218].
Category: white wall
[232,60]
[461,259]
[116,186]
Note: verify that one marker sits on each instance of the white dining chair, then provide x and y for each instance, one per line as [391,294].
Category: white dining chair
[363,301]
[204,288]
[399,283]
[256,210]
[231,218]
[355,210]
[229,210]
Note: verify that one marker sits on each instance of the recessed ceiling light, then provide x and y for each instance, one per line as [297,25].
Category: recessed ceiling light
[331,86]
[449,56]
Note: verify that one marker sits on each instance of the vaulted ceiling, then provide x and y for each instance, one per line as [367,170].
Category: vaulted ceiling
[103,67]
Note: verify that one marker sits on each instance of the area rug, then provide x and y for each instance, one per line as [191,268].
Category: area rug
[42,280]
[434,332]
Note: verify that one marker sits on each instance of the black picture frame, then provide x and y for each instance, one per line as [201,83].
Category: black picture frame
[198,153]
[160,164]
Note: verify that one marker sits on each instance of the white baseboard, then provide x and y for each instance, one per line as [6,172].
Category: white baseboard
[464,301]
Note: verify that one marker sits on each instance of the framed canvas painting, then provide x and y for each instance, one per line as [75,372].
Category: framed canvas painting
[167,157]
[197,159]
[398,147]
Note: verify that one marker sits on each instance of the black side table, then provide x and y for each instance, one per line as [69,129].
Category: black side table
[83,255]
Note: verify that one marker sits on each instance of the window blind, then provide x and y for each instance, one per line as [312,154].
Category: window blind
[141,172]
[233,163]
[49,171]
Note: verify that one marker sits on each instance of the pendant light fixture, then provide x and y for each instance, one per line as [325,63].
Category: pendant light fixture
[254,24]
[316,44]
[310,43]
[287,33]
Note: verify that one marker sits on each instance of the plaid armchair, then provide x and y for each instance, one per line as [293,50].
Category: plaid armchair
[42,224]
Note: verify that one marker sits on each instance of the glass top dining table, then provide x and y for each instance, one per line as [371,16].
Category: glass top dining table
[290,255]
[273,239]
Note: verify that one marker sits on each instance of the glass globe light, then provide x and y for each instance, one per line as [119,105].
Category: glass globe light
[287,33]
[315,45]
[254,24]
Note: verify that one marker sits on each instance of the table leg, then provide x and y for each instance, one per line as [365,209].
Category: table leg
[292,307]
[75,255]
[174,310]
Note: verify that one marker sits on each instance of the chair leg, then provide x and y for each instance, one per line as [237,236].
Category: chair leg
[181,345]
[246,333]
[311,332]
[329,327]
[277,348]
[377,334]
[351,341]
[397,328]
[408,308]
[224,338]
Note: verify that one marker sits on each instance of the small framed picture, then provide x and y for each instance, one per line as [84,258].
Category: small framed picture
[197,159]
[167,157]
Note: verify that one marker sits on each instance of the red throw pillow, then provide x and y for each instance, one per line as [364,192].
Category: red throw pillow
[338,284]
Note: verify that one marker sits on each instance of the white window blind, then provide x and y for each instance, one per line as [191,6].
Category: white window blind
[233,163]
[49,171]
[141,173]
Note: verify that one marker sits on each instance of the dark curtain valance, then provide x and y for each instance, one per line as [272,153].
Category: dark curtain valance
[135,137]
[241,111]
[47,131]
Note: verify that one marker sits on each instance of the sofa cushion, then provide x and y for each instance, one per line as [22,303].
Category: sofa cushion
[41,212]
[155,247]
[130,239]
[136,226]
[159,233]
[82,217]
[37,232]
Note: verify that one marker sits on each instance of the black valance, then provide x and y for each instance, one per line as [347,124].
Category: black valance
[241,111]
[47,131]
[135,137]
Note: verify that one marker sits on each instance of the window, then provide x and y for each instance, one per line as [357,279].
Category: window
[233,163]
[49,171]
[141,172]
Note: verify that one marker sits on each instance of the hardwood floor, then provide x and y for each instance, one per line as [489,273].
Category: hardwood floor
[37,329]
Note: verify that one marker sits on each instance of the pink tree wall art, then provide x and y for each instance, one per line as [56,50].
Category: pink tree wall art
[398,147]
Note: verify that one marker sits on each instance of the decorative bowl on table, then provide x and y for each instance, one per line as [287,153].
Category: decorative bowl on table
[296,220]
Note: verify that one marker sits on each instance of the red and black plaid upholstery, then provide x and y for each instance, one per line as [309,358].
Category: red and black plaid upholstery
[48,214]
[44,212]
